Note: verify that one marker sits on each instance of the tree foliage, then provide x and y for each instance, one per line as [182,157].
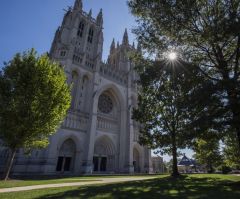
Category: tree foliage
[162,105]
[208,153]
[231,153]
[207,34]
[34,98]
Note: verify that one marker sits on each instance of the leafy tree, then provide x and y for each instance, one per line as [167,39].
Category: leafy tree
[208,153]
[34,98]
[161,106]
[205,32]
[231,152]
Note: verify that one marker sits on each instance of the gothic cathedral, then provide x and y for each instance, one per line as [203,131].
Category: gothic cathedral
[98,134]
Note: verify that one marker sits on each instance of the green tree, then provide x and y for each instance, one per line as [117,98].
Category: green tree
[205,32]
[34,98]
[208,153]
[161,106]
[231,152]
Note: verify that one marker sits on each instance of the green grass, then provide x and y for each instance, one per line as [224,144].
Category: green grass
[196,186]
[18,182]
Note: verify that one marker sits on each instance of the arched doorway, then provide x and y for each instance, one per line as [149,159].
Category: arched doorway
[104,155]
[136,161]
[66,156]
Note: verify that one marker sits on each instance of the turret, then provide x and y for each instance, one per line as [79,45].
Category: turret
[125,38]
[90,13]
[100,18]
[78,5]
[112,48]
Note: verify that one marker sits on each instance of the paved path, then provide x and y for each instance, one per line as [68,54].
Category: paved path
[70,184]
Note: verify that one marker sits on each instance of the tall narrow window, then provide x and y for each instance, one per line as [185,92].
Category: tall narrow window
[75,79]
[80,29]
[63,53]
[85,94]
[90,35]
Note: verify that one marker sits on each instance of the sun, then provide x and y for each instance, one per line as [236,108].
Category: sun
[172,56]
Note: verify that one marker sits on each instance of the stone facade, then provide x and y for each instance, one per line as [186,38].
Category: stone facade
[98,134]
[157,164]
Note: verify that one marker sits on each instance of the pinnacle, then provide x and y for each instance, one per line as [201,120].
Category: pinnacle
[125,37]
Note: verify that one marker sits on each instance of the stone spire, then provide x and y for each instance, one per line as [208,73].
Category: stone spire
[100,18]
[90,13]
[125,38]
[112,48]
[78,5]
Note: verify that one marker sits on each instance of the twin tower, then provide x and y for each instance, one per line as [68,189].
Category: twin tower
[80,38]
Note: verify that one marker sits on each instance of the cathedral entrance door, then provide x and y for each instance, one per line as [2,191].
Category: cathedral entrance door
[65,161]
[103,166]
[135,166]
[99,164]
[63,164]
[104,155]
[95,163]
[136,161]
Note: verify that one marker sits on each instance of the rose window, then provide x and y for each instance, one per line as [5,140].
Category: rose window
[105,104]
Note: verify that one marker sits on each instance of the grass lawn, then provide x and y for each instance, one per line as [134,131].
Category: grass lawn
[196,186]
[18,182]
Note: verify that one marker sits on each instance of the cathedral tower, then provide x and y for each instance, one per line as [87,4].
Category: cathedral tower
[79,39]
[98,134]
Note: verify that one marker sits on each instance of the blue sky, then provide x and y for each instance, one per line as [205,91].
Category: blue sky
[27,24]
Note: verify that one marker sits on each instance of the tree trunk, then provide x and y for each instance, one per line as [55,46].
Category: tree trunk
[210,168]
[175,172]
[9,164]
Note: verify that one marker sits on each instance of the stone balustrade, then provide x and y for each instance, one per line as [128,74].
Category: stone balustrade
[76,120]
[107,124]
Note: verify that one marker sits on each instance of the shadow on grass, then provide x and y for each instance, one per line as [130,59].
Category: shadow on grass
[40,180]
[183,187]
[62,176]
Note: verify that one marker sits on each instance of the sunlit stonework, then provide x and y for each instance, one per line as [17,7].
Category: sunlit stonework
[98,134]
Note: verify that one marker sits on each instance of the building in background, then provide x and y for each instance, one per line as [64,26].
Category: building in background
[157,164]
[98,134]
[187,165]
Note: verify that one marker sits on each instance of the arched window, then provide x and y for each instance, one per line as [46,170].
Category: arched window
[62,53]
[90,35]
[80,29]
